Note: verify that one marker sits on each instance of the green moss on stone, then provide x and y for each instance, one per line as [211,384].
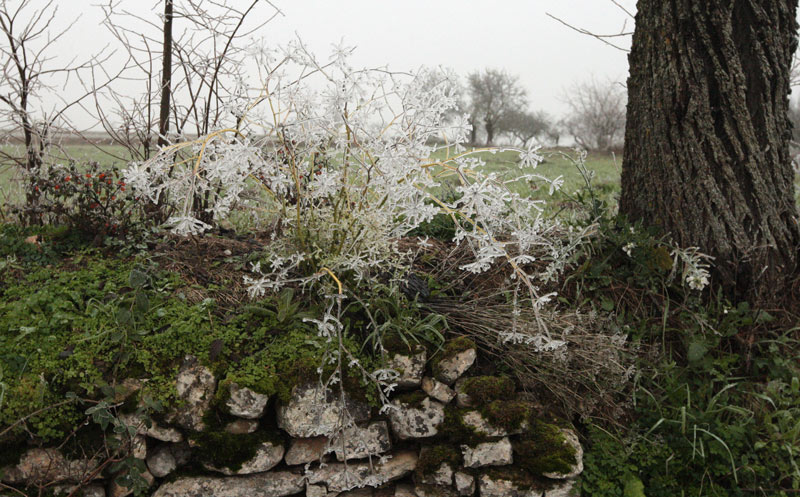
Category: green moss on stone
[454,431]
[507,415]
[431,459]
[394,344]
[412,399]
[219,448]
[485,389]
[543,449]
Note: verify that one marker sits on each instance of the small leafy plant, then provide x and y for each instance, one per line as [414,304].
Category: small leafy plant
[93,200]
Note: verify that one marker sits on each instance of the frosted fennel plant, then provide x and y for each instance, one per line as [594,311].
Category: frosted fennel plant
[347,164]
[343,163]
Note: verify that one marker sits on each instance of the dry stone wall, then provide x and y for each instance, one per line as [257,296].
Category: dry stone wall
[448,432]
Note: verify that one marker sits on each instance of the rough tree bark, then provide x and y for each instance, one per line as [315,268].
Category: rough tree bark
[707,143]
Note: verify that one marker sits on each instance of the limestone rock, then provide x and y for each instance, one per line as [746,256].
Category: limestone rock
[11,474]
[316,491]
[139,447]
[93,491]
[410,368]
[246,403]
[361,474]
[571,439]
[358,443]
[422,490]
[272,484]
[481,425]
[161,462]
[268,455]
[43,466]
[312,412]
[449,369]
[154,431]
[497,453]
[241,426]
[462,398]
[501,487]
[443,476]
[305,450]
[438,390]
[359,492]
[416,421]
[195,385]
[465,484]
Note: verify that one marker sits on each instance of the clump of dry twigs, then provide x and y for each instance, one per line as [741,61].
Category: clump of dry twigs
[590,375]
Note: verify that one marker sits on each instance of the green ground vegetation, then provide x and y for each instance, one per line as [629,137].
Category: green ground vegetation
[76,321]
[712,409]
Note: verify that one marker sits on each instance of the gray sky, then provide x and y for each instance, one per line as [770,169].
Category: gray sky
[466,35]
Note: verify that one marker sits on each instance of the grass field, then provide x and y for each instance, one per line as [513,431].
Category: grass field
[605,167]
[604,170]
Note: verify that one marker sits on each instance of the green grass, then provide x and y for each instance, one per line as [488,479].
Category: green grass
[605,169]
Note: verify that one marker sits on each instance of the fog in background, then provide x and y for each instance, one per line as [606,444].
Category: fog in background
[466,35]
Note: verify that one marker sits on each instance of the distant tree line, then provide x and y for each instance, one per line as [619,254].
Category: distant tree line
[497,107]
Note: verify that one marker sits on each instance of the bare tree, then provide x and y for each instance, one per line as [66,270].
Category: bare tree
[189,64]
[30,69]
[494,94]
[524,126]
[166,75]
[555,131]
[597,114]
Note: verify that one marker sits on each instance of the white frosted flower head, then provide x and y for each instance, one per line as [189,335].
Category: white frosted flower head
[186,225]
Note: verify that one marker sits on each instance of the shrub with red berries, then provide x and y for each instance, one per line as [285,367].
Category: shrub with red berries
[87,197]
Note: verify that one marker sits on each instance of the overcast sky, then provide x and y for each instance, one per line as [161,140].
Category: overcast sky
[516,35]
[467,35]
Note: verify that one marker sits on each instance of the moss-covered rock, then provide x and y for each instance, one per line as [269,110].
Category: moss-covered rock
[479,390]
[431,458]
[508,415]
[544,450]
[223,450]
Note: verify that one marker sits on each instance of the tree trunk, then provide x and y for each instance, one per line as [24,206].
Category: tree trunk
[473,133]
[488,124]
[707,140]
[166,76]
